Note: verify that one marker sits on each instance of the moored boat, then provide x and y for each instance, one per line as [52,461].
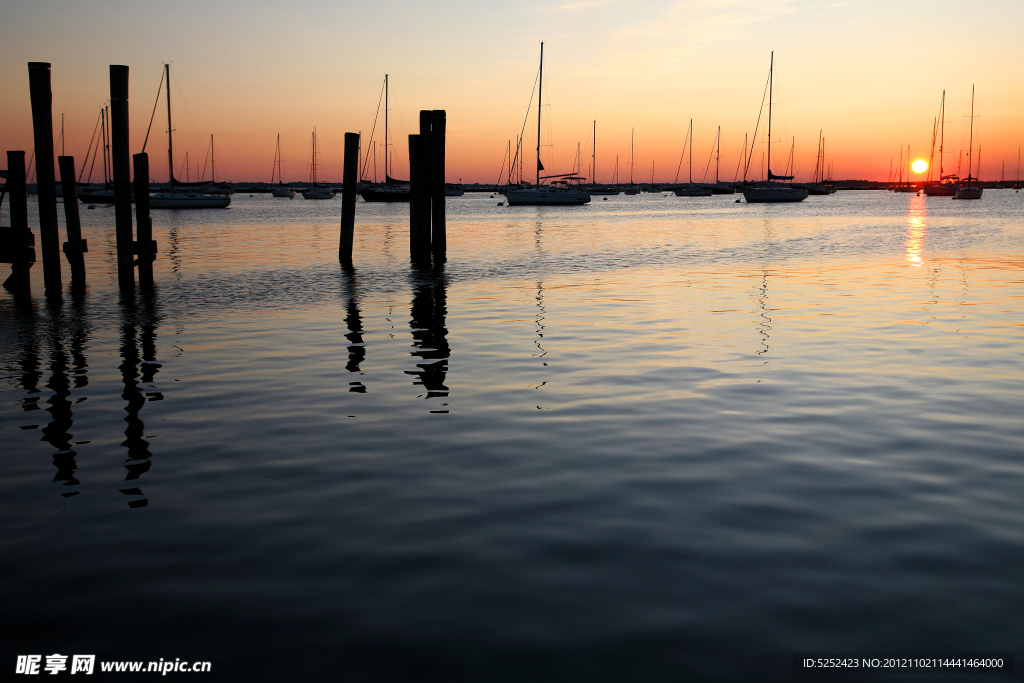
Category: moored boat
[971,187]
[317,189]
[561,191]
[691,190]
[773,193]
[281,189]
[391,190]
[188,200]
[180,195]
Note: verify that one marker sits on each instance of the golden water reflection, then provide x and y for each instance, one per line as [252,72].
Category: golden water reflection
[917,229]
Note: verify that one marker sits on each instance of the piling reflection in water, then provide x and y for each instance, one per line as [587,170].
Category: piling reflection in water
[139,321]
[429,334]
[354,322]
[65,327]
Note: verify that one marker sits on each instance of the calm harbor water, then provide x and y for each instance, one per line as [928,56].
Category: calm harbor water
[651,438]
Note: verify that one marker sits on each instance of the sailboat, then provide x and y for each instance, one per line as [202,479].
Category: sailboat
[632,189]
[594,187]
[719,187]
[971,189]
[947,185]
[772,193]
[652,188]
[391,190]
[316,190]
[818,183]
[89,194]
[692,190]
[178,195]
[905,186]
[281,190]
[559,192]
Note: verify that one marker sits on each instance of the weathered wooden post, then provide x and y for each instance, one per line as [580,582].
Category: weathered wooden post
[145,246]
[419,234]
[16,240]
[122,176]
[348,199]
[438,233]
[46,183]
[75,247]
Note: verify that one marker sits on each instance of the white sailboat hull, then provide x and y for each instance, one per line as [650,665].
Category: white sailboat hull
[283,192]
[546,196]
[969,192]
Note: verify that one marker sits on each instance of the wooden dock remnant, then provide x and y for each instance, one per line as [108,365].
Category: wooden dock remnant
[75,247]
[17,243]
[42,129]
[145,245]
[427,232]
[348,199]
[121,167]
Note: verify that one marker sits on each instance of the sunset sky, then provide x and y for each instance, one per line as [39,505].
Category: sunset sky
[868,73]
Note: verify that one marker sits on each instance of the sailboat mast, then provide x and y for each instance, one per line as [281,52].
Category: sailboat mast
[942,131]
[970,148]
[103,132]
[718,150]
[170,146]
[633,130]
[691,152]
[213,167]
[593,157]
[540,93]
[385,128]
[771,72]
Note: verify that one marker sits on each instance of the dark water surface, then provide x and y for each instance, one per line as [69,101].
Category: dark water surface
[648,439]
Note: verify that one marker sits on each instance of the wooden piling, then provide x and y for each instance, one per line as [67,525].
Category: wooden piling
[145,247]
[17,240]
[419,202]
[348,198]
[46,183]
[438,232]
[75,247]
[121,167]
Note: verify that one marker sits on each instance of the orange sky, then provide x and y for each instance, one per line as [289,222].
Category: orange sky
[870,75]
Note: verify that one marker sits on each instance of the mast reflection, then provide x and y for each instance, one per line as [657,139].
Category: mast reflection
[764,321]
[429,334]
[139,322]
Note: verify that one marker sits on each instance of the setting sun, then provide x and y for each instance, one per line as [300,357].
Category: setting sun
[920,166]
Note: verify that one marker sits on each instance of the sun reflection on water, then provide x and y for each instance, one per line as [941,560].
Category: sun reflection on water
[917,229]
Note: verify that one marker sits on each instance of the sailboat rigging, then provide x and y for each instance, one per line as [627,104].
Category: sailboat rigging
[316,189]
[772,193]
[178,196]
[692,190]
[391,190]
[281,190]
[719,187]
[632,189]
[971,188]
[559,192]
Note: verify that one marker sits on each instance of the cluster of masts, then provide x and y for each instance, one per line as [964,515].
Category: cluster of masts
[947,184]
[513,171]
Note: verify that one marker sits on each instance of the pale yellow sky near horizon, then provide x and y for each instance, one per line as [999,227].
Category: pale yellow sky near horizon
[869,74]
